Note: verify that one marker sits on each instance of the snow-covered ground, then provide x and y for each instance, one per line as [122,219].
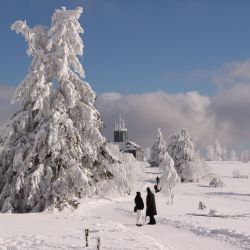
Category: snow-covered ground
[179,226]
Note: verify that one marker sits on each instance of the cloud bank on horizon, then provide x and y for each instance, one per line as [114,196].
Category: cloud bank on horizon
[225,116]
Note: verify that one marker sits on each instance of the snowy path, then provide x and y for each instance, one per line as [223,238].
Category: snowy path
[166,234]
[163,236]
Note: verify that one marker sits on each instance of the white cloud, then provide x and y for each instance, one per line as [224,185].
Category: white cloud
[233,73]
[231,108]
[146,112]
[226,76]
[225,116]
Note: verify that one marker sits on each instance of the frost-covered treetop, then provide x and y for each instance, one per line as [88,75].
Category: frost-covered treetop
[181,142]
[160,140]
[34,89]
[36,37]
[65,24]
[182,135]
[54,52]
[158,149]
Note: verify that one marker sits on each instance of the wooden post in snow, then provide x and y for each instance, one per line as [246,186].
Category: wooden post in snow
[87,237]
[99,245]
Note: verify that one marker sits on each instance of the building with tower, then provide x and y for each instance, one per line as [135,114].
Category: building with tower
[121,132]
[121,138]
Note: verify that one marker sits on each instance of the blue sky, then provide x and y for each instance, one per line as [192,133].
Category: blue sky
[139,46]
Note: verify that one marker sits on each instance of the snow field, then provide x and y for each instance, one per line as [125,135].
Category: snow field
[113,220]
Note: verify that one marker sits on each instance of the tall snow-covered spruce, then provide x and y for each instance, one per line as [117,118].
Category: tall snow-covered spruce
[52,152]
[158,150]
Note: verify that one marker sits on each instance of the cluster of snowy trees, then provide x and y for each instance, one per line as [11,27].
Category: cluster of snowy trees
[178,160]
[52,152]
[244,156]
[160,158]
[218,152]
[181,150]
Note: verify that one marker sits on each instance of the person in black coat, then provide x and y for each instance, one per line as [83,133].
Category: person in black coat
[151,206]
[157,180]
[139,206]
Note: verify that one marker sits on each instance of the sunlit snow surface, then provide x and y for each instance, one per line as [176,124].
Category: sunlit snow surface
[113,220]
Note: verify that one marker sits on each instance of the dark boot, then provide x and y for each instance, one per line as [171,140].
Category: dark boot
[152,220]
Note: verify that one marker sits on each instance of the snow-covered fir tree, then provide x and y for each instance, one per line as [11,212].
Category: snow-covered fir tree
[209,153]
[244,156]
[169,177]
[52,152]
[216,152]
[158,150]
[187,162]
[233,156]
[224,155]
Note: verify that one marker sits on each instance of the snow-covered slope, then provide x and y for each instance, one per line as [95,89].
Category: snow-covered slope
[180,226]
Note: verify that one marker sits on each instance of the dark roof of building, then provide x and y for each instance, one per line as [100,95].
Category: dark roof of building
[129,146]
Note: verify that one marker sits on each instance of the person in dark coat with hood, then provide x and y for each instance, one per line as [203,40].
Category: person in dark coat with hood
[151,206]
[139,206]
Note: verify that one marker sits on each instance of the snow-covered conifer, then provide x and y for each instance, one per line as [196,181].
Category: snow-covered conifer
[188,163]
[52,151]
[224,153]
[158,150]
[217,152]
[210,153]
[34,90]
[169,177]
[244,156]
[233,156]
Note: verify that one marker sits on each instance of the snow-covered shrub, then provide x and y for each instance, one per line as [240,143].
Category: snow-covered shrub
[52,152]
[216,182]
[237,174]
[212,212]
[127,172]
[158,150]
[188,163]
